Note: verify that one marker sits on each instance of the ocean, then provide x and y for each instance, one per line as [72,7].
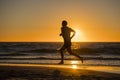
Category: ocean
[94,53]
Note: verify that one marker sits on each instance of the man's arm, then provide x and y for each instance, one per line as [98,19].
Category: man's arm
[60,33]
[73,33]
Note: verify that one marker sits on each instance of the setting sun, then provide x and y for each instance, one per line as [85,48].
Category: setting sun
[79,36]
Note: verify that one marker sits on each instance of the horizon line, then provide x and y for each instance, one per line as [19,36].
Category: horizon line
[58,41]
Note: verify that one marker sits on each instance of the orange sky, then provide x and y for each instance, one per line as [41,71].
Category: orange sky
[40,20]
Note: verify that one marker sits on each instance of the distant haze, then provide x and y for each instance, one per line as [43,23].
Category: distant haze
[40,20]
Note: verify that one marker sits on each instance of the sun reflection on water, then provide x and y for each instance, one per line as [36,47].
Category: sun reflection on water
[74,62]
[74,66]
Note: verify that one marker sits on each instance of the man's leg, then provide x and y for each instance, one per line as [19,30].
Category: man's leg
[62,54]
[71,53]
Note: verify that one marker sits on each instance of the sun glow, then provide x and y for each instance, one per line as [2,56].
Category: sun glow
[79,36]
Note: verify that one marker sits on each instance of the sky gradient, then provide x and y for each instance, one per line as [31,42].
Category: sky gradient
[40,20]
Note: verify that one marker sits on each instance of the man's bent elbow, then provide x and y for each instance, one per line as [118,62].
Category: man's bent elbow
[74,32]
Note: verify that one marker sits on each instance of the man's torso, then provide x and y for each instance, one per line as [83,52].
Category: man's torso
[66,35]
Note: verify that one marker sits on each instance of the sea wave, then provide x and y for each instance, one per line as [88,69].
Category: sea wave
[48,51]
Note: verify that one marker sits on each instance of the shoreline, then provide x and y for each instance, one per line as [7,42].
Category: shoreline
[50,72]
[101,68]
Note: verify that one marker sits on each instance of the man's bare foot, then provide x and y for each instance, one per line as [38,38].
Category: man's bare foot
[61,62]
[82,59]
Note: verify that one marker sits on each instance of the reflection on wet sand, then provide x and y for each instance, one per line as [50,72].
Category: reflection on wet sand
[57,72]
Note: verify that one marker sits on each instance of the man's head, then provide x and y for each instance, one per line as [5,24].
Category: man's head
[64,23]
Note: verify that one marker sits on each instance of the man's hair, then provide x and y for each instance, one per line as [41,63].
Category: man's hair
[64,23]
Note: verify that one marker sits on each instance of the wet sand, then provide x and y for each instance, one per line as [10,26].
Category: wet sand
[47,72]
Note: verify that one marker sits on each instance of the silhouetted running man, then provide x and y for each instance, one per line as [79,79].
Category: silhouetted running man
[66,34]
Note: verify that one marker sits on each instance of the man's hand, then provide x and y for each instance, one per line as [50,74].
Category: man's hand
[60,34]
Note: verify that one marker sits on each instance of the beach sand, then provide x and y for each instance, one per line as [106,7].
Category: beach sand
[46,72]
